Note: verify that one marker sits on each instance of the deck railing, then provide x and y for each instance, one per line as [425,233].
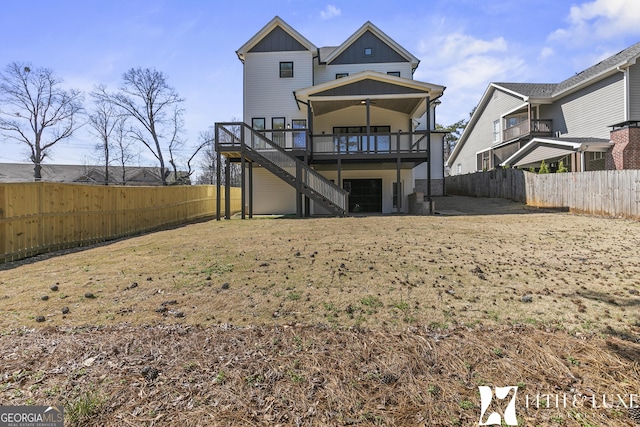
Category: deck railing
[362,143]
[240,136]
[533,127]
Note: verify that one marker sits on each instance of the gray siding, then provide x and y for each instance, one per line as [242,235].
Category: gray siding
[590,111]
[277,40]
[382,52]
[634,92]
[481,136]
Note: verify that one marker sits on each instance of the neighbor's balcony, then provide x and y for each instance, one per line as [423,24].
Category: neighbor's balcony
[528,128]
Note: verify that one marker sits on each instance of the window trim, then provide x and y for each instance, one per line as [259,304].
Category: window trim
[284,71]
[393,73]
[341,75]
[496,131]
[368,51]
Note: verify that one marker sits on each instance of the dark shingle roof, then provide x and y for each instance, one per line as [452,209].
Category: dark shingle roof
[530,89]
[544,90]
[606,64]
[326,51]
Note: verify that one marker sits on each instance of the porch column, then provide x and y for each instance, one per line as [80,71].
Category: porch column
[428,125]
[227,189]
[368,105]
[398,187]
[218,180]
[250,189]
[339,173]
[243,179]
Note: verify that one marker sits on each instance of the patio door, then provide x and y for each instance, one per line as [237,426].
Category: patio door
[365,195]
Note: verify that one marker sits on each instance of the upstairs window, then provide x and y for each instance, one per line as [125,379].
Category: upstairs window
[341,75]
[393,73]
[368,51]
[286,69]
[496,131]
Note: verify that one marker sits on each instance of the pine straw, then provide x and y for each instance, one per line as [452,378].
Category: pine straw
[311,375]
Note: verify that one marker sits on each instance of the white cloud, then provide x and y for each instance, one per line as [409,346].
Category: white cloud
[545,53]
[600,19]
[466,65]
[330,11]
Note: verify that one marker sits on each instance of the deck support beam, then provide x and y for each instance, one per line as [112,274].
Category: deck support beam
[218,181]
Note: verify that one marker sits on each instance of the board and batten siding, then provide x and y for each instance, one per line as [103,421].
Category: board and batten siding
[634,92]
[590,111]
[266,94]
[325,73]
[481,136]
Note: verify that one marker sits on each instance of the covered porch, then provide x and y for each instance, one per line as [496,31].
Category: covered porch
[578,154]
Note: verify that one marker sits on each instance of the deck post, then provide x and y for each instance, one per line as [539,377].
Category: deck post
[250,190]
[398,187]
[227,189]
[243,179]
[428,125]
[298,192]
[218,177]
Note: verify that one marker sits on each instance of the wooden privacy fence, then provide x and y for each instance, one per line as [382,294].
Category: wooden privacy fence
[610,193]
[41,216]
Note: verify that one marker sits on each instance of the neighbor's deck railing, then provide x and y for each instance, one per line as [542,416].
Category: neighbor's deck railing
[533,128]
[40,217]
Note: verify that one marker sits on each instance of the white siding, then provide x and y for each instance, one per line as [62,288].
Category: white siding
[589,112]
[481,136]
[271,195]
[634,92]
[266,94]
[325,73]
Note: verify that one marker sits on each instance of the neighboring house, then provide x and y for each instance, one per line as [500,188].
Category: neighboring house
[323,122]
[133,175]
[589,121]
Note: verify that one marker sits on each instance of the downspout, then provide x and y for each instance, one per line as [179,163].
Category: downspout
[625,71]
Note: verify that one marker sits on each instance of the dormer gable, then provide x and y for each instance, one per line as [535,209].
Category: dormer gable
[370,45]
[276,36]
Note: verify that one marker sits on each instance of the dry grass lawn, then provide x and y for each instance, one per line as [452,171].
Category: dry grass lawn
[326,321]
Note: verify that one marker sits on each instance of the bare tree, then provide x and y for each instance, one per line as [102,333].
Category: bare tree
[209,164]
[123,148]
[36,111]
[156,108]
[107,125]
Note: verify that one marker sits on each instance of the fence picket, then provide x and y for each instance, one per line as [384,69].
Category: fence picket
[610,193]
[39,217]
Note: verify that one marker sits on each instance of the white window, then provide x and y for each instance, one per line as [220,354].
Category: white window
[496,131]
[459,168]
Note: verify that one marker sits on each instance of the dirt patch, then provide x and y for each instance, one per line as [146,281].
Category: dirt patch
[518,295]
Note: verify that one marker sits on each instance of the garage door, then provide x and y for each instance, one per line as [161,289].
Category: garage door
[365,195]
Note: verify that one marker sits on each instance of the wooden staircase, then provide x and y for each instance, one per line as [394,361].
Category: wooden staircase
[235,140]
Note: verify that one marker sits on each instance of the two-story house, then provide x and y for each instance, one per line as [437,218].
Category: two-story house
[338,130]
[588,121]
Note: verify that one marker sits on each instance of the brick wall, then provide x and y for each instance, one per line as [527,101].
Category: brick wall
[625,153]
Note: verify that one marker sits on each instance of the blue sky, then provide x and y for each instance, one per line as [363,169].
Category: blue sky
[462,44]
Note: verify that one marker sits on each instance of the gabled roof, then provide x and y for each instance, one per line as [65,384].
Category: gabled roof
[272,25]
[389,92]
[549,92]
[622,59]
[368,26]
[539,149]
[533,90]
